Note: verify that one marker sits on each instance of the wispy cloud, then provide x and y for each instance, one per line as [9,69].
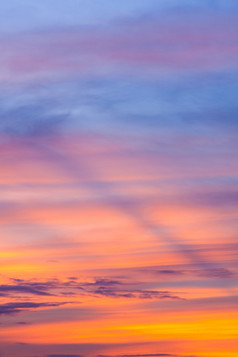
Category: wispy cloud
[120,355]
[26,289]
[149,43]
[16,307]
[63,355]
[73,287]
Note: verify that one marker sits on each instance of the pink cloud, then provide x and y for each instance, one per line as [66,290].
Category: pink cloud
[142,46]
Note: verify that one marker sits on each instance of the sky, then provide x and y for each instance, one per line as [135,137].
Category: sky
[118,178]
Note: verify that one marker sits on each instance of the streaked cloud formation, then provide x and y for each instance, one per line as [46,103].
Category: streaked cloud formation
[118,178]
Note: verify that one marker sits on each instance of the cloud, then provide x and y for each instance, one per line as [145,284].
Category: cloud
[135,294]
[142,355]
[26,289]
[221,273]
[16,307]
[169,272]
[211,272]
[104,282]
[63,355]
[150,44]
[216,199]
[146,355]
[31,121]
[82,170]
[110,288]
[121,289]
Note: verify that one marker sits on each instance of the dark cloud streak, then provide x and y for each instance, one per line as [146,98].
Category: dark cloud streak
[16,307]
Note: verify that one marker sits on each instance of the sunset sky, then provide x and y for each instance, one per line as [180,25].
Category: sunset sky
[118,178]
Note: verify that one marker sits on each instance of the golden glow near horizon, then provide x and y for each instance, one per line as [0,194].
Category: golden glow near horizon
[98,268]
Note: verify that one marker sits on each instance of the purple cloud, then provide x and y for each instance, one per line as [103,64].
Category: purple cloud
[16,307]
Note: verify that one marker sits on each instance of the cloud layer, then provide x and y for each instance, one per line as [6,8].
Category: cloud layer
[118,178]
